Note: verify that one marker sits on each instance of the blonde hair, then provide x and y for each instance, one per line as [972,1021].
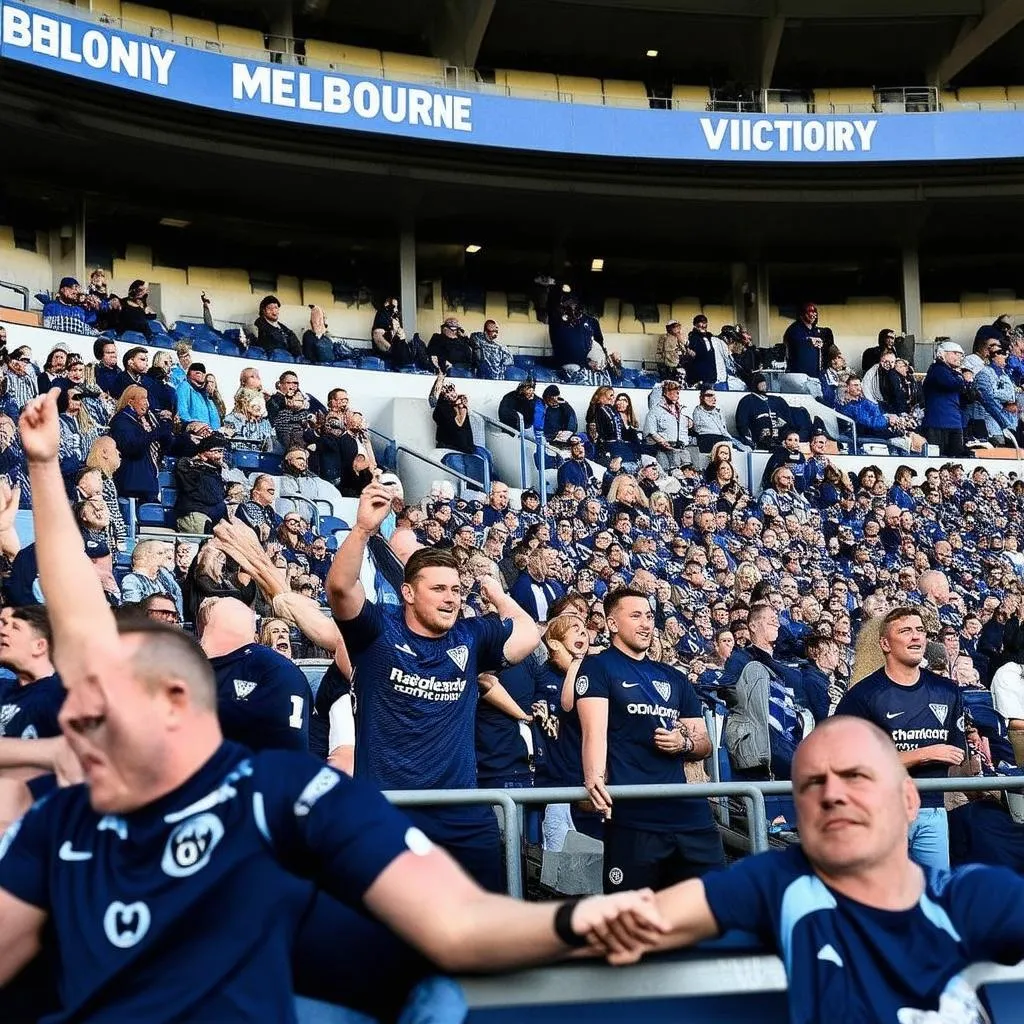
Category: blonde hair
[131,392]
[619,482]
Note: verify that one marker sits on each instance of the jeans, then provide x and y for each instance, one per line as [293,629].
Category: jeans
[929,838]
[557,825]
[467,466]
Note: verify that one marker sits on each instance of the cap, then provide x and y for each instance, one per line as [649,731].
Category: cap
[577,439]
[948,346]
[671,323]
[68,282]
[647,460]
[450,322]
[212,442]
[551,391]
[201,367]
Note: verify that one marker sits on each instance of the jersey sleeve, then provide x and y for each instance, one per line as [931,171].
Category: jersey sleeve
[490,633]
[360,632]
[991,929]
[591,679]
[25,850]
[740,896]
[853,703]
[689,703]
[325,826]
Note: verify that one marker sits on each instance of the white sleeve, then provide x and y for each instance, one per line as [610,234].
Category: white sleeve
[342,724]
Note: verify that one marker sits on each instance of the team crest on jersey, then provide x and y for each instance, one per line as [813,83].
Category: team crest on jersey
[582,685]
[111,823]
[323,782]
[30,733]
[243,687]
[126,924]
[664,689]
[190,845]
[460,655]
[7,712]
[940,711]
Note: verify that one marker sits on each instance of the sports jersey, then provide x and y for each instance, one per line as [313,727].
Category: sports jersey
[415,697]
[186,908]
[263,700]
[928,713]
[643,696]
[30,712]
[558,741]
[848,963]
[501,752]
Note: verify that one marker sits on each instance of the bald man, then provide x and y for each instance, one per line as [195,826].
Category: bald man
[934,588]
[865,933]
[263,700]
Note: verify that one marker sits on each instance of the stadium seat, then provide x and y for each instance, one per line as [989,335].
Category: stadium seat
[134,338]
[525,361]
[341,56]
[196,30]
[250,40]
[243,459]
[151,514]
[691,97]
[255,352]
[575,89]
[371,363]
[141,19]
[455,371]
[106,8]
[531,84]
[541,374]
[168,496]
[166,478]
[407,67]
[989,97]
[270,462]
[516,373]
[281,355]
[620,93]
[204,345]
[328,524]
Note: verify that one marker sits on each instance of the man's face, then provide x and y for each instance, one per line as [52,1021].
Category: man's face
[810,315]
[791,442]
[18,365]
[162,609]
[139,363]
[215,456]
[433,599]
[854,389]
[58,360]
[338,401]
[19,643]
[491,331]
[765,631]
[701,325]
[499,497]
[288,385]
[632,622]
[904,641]
[197,377]
[279,637]
[465,537]
[263,492]
[818,445]
[271,312]
[854,803]
[69,293]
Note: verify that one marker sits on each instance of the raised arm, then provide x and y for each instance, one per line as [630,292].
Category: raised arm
[525,635]
[344,590]
[305,613]
[85,641]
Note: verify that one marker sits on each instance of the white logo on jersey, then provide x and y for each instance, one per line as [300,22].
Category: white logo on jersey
[323,782]
[69,853]
[664,689]
[7,712]
[406,649]
[8,837]
[30,733]
[190,845]
[460,655]
[126,924]
[111,823]
[894,714]
[828,952]
[615,876]
[940,711]
[582,685]
[243,687]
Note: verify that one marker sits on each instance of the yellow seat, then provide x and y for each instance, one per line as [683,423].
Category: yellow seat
[139,17]
[6,236]
[628,323]
[108,8]
[406,67]
[231,37]
[718,316]
[949,101]
[976,304]
[317,293]
[684,310]
[618,92]
[533,84]
[341,56]
[289,290]
[194,28]
[575,89]
[691,97]
[986,97]
[612,307]
[1015,95]
[844,101]
[495,308]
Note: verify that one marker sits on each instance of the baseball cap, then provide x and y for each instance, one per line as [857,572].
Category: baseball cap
[68,282]
[948,346]
[213,442]
[450,322]
[671,323]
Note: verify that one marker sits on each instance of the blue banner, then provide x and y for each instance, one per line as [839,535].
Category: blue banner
[298,95]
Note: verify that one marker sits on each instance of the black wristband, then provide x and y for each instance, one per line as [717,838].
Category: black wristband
[563,924]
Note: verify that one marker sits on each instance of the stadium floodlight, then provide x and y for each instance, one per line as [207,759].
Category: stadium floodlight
[597,264]
[473,248]
[652,53]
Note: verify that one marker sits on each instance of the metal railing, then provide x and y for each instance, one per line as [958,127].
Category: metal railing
[752,793]
[394,448]
[20,289]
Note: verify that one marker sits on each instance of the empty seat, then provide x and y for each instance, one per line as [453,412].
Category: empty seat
[281,355]
[949,101]
[1015,95]
[406,67]
[990,97]
[576,89]
[620,93]
[844,101]
[371,363]
[341,56]
[691,97]
[199,29]
[534,84]
[140,18]
[248,40]
[151,514]
[516,373]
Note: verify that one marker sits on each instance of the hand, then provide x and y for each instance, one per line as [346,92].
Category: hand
[66,765]
[622,926]
[374,505]
[672,741]
[203,299]
[944,753]
[491,590]
[600,798]
[10,497]
[40,428]
[166,414]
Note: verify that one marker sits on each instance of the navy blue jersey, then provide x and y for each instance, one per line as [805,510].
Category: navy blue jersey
[263,700]
[643,696]
[30,712]
[415,697]
[923,715]
[848,963]
[500,748]
[558,741]
[186,909]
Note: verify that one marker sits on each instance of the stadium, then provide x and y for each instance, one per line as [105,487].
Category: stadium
[594,424]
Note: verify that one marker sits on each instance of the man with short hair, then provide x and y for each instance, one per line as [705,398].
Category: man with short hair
[287,387]
[848,910]
[107,365]
[135,362]
[709,426]
[490,357]
[671,351]
[576,470]
[450,347]
[945,393]
[271,334]
[666,428]
[415,681]
[701,366]
[497,503]
[22,383]
[923,714]
[641,721]
[31,702]
[258,512]
[216,834]
[804,343]
[522,401]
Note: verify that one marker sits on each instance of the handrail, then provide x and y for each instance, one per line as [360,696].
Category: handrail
[21,289]
[475,484]
[510,432]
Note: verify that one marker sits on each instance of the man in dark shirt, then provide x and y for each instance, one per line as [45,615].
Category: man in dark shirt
[520,402]
[700,366]
[454,430]
[451,347]
[923,714]
[271,334]
[107,367]
[387,327]
[29,703]
[804,343]
[200,500]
